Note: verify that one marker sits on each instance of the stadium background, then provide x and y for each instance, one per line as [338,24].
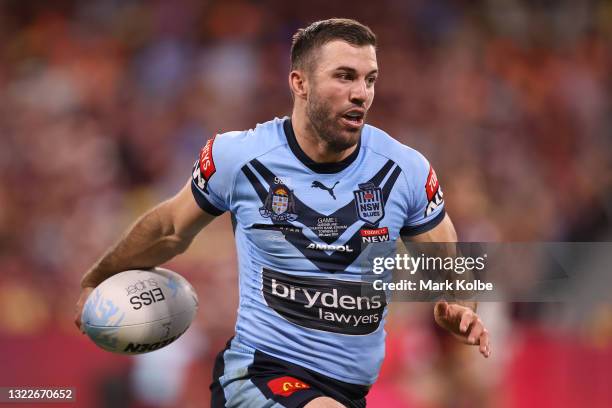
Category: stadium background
[105,103]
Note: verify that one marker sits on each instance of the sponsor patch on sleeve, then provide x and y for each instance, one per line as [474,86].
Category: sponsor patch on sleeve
[435,198]
[285,386]
[205,166]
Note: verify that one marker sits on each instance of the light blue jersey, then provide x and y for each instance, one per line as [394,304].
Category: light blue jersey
[300,227]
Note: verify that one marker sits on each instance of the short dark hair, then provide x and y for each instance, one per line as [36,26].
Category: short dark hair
[306,40]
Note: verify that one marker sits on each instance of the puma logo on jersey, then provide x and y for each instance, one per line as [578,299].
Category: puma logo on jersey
[330,190]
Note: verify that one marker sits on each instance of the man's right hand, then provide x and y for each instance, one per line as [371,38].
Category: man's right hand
[158,236]
[79,306]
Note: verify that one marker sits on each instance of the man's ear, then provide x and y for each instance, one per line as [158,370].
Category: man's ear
[298,84]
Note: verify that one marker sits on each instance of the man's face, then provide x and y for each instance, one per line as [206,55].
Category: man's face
[341,91]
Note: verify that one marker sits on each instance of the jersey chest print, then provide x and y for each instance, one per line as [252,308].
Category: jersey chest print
[284,208]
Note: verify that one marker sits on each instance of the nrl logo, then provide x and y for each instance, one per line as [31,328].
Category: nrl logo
[279,205]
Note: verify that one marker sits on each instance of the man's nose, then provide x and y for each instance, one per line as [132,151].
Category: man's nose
[359,93]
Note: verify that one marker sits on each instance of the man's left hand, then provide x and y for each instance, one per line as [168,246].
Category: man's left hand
[464,324]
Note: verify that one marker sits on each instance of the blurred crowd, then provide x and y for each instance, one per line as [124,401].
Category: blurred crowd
[104,105]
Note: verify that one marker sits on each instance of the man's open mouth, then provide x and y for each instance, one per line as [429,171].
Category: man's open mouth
[354,117]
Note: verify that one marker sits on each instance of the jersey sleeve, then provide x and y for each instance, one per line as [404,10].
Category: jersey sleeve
[212,177]
[425,198]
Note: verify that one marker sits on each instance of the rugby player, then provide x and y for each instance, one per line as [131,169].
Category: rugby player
[306,193]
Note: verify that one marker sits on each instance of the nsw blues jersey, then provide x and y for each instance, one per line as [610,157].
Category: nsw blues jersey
[300,228]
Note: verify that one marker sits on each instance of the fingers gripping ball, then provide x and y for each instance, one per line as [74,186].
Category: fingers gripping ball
[139,311]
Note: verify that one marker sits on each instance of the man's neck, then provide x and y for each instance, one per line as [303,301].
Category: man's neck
[311,144]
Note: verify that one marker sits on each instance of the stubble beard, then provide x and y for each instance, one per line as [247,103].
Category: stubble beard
[327,126]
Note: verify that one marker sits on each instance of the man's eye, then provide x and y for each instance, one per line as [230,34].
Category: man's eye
[344,76]
[371,80]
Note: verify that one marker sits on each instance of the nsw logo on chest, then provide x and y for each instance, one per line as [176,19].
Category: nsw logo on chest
[369,203]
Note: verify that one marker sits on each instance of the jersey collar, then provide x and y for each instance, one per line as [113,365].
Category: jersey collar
[322,168]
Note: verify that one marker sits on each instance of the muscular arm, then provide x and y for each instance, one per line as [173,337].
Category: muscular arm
[159,235]
[444,233]
[460,317]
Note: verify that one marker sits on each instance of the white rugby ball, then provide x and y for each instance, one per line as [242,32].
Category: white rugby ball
[139,311]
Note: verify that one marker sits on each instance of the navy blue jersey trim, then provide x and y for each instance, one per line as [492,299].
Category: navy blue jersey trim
[203,202]
[285,228]
[217,396]
[409,231]
[321,168]
[382,173]
[266,367]
[259,189]
[337,261]
[391,182]
[307,215]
